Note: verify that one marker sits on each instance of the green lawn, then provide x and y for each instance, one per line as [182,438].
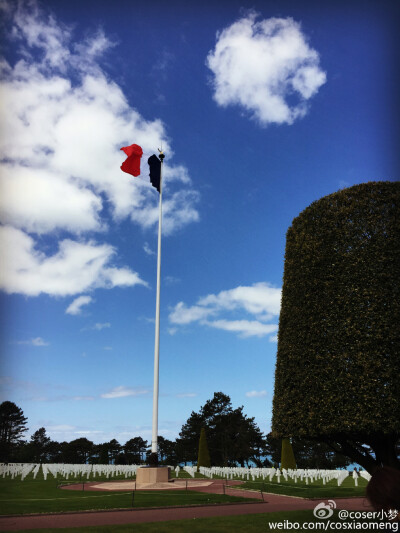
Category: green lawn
[253,523]
[39,496]
[312,490]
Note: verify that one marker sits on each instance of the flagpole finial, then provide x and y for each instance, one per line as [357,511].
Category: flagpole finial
[162,155]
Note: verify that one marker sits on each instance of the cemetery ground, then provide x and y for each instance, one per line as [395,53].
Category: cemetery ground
[47,496]
[32,496]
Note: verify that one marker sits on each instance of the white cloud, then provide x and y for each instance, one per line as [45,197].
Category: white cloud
[182,314]
[62,177]
[258,65]
[37,341]
[75,268]
[261,300]
[122,392]
[75,308]
[256,394]
[187,395]
[147,249]
[246,328]
[76,157]
[99,326]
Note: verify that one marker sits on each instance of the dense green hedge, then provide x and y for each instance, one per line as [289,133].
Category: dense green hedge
[338,364]
[287,456]
[204,455]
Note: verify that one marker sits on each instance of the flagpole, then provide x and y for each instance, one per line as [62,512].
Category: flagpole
[154,438]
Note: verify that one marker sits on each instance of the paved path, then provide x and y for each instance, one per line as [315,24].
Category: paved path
[272,502]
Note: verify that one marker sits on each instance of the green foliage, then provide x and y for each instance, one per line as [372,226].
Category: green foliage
[338,362]
[103,458]
[204,455]
[308,453]
[12,428]
[135,449]
[78,451]
[38,446]
[287,455]
[232,437]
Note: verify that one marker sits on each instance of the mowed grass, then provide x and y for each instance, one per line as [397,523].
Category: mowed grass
[39,496]
[251,523]
[313,490]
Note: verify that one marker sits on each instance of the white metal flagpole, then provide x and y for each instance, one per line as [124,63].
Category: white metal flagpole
[154,437]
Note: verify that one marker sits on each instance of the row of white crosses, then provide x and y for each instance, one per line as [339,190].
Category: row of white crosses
[307,475]
[19,469]
[67,470]
[366,475]
[80,471]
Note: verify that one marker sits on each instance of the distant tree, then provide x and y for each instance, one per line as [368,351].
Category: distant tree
[55,451]
[338,358]
[135,450]
[166,451]
[102,454]
[39,446]
[308,454]
[12,427]
[79,451]
[187,443]
[287,456]
[114,450]
[232,437]
[203,458]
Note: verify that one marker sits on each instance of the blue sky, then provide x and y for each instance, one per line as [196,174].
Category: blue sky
[262,108]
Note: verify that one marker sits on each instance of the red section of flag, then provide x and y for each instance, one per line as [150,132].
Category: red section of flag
[132,164]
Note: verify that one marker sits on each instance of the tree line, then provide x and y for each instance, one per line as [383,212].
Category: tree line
[232,437]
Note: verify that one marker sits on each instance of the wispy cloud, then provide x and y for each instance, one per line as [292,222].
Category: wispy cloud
[171,280]
[75,308]
[262,65]
[147,249]
[37,341]
[187,395]
[256,394]
[261,301]
[122,392]
[99,326]
[246,328]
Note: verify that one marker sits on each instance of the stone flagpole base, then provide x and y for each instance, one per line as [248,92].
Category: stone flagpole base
[152,474]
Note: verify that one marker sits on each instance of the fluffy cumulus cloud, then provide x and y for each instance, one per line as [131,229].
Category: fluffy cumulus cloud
[63,122]
[77,267]
[261,301]
[266,67]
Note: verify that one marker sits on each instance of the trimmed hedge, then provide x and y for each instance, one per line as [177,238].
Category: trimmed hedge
[338,362]
[204,455]
[287,455]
